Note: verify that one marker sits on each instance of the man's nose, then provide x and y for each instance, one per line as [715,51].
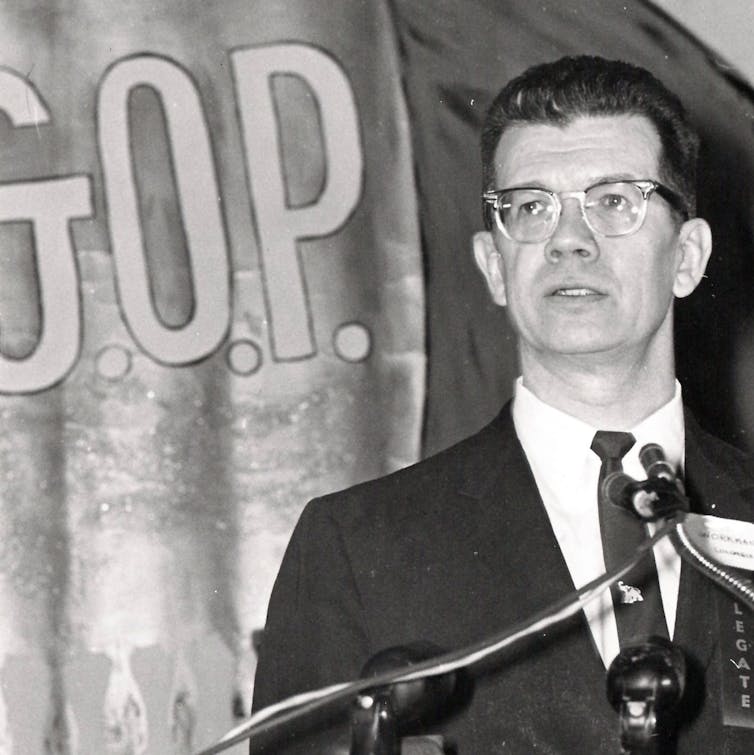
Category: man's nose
[572,236]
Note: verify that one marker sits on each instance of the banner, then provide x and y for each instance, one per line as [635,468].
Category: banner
[212,310]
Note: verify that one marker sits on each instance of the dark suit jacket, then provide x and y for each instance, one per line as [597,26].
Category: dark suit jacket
[459,547]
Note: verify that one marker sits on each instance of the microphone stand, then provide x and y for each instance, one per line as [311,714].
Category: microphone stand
[374,726]
[378,713]
[645,682]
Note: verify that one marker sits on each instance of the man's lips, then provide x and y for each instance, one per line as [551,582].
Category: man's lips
[575,291]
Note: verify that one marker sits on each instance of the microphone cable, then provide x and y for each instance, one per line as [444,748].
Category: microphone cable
[276,716]
[738,586]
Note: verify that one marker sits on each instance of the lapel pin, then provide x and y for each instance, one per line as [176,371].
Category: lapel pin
[629,594]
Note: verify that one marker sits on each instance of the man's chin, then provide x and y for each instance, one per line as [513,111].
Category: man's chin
[571,346]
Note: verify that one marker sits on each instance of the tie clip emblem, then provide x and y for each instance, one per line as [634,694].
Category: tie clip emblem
[629,594]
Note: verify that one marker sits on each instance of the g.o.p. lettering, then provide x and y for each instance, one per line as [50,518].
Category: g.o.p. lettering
[49,205]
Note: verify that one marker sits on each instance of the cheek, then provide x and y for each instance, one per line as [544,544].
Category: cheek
[652,280]
[651,251]
[520,283]
[522,264]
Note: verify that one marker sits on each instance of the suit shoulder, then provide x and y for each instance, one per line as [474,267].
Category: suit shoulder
[425,484]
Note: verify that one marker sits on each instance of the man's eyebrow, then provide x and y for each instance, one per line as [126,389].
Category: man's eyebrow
[591,181]
[615,177]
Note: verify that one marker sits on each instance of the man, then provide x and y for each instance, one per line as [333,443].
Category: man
[589,174]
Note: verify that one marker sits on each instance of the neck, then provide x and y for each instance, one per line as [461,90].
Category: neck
[603,391]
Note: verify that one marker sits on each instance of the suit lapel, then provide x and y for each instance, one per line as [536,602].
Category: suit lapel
[713,486]
[712,490]
[518,534]
[518,555]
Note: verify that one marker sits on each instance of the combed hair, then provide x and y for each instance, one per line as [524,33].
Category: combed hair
[556,93]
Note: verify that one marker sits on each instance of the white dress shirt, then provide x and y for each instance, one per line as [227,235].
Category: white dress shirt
[566,471]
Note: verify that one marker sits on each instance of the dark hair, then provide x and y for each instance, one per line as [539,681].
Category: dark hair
[558,92]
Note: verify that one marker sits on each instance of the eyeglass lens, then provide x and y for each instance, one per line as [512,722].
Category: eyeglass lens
[611,209]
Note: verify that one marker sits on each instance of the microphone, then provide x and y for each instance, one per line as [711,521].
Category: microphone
[661,495]
[415,699]
[380,715]
[645,683]
[657,467]
[622,490]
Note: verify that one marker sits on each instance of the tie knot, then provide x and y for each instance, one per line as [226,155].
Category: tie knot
[612,446]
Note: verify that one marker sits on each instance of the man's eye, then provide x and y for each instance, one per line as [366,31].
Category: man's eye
[614,202]
[534,207]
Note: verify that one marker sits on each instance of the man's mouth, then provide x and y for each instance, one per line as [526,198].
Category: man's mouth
[575,292]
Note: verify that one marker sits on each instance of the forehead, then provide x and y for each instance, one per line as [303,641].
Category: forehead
[588,149]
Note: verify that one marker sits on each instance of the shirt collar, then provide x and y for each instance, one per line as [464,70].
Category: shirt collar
[548,433]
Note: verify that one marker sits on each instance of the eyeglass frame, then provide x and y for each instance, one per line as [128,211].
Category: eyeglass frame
[646,186]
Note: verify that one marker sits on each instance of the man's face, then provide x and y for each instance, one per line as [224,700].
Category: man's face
[578,292]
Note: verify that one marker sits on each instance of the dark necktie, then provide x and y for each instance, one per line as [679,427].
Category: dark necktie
[636,596]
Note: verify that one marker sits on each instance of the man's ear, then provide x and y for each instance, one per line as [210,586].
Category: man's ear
[489,261]
[695,243]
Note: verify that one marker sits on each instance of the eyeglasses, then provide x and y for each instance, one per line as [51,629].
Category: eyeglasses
[529,214]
